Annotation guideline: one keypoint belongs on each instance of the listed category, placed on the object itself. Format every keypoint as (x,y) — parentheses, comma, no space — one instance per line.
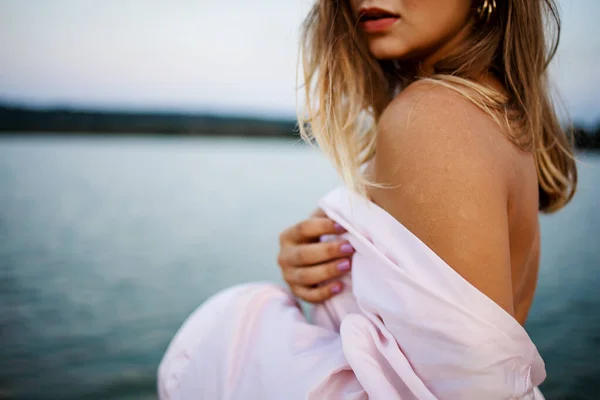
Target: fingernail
(344,265)
(335,289)
(347,248)
(339,228)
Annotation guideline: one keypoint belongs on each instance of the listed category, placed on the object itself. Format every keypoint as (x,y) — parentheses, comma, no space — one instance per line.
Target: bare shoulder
(433,134)
(434,119)
(444,162)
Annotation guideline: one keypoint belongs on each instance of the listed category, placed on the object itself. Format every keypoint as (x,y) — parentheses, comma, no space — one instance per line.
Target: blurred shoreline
(23,120)
(15,119)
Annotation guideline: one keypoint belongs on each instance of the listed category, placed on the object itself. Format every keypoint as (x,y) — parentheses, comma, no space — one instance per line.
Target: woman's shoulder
(437,122)
(427,103)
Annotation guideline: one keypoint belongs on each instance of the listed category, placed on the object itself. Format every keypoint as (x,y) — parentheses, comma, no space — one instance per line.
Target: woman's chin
(386,49)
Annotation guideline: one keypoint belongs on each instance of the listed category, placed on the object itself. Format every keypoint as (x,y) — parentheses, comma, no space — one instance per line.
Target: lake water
(107,244)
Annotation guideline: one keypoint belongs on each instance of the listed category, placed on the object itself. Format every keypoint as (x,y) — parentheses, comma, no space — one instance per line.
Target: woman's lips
(376,19)
(379,24)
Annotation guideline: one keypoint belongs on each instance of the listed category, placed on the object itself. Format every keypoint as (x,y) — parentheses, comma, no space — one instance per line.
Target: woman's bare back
(524,231)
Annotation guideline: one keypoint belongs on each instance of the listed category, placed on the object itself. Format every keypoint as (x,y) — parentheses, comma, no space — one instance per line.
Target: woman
(437,115)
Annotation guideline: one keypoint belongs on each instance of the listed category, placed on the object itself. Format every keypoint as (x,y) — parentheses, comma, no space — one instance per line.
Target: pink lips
(374,20)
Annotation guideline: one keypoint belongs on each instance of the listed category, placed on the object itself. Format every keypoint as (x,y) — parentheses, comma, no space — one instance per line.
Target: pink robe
(407,326)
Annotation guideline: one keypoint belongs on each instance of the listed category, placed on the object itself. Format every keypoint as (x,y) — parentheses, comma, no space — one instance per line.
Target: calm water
(107,244)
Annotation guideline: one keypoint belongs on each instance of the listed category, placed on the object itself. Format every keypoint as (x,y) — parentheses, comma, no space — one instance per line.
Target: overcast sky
(233,56)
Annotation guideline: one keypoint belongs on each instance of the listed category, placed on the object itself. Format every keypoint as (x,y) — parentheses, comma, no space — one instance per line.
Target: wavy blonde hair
(347,89)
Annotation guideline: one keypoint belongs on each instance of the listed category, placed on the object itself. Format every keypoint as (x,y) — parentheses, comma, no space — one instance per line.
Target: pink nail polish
(344,265)
(347,248)
(339,228)
(335,289)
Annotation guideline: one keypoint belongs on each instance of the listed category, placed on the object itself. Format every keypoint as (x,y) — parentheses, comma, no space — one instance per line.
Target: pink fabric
(407,326)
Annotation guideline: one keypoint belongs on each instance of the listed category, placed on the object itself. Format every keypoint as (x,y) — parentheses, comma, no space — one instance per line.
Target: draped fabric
(407,326)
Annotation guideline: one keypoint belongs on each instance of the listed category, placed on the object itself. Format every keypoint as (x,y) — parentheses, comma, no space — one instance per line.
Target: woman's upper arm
(448,186)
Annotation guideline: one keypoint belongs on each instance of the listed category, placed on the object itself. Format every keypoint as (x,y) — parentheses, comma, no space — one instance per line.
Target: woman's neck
(426,65)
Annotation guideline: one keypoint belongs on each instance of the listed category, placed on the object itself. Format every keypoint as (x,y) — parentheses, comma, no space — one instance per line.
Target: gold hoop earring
(485,10)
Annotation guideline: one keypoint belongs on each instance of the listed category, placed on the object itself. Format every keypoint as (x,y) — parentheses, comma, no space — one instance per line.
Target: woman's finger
(318,294)
(310,230)
(309,276)
(314,253)
(318,213)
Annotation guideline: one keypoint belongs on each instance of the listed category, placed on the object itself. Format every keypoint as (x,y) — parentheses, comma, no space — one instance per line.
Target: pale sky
(231,56)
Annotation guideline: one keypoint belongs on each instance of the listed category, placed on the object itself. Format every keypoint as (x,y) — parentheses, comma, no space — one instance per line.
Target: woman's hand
(306,263)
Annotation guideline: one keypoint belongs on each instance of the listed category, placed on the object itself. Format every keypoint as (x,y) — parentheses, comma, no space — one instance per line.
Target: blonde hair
(347,89)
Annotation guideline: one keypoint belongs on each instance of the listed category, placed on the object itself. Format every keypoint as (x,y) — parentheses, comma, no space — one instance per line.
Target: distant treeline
(587,139)
(16,119)
(22,120)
